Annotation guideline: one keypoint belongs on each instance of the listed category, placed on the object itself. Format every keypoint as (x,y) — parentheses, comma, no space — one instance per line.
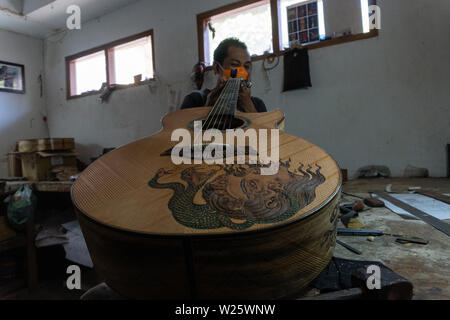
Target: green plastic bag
(21,208)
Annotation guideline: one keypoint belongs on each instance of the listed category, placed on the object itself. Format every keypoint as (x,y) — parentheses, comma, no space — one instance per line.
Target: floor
(427,267)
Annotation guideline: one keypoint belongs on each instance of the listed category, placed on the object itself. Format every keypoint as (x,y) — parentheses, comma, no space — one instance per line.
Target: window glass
(251,25)
(365,15)
(301,21)
(130,60)
(90,72)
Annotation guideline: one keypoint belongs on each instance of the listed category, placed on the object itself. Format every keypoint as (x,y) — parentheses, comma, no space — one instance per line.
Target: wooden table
(426,266)
(9,186)
(41,186)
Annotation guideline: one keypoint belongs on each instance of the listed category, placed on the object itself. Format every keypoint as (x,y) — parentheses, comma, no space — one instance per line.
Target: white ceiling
(41,18)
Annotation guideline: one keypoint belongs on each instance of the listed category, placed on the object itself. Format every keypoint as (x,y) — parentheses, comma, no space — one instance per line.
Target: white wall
(342,15)
(13,5)
(384,100)
(21,114)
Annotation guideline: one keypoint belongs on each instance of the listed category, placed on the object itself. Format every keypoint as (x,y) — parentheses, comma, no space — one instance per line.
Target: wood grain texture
(115,191)
(156,230)
(271,264)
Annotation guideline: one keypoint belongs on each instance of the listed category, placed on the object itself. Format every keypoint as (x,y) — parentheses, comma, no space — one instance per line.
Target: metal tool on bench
(348,247)
(435,222)
(376,233)
(347,213)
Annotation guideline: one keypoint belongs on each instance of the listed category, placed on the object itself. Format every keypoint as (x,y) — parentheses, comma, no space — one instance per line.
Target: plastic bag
(21,208)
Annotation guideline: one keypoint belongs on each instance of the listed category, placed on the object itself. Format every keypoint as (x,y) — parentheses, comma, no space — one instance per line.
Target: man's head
(231,53)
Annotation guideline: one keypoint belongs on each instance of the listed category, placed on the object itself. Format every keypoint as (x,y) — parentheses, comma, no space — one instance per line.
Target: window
(272,26)
(252,24)
(305,23)
(365,15)
(89,72)
(131,59)
(125,62)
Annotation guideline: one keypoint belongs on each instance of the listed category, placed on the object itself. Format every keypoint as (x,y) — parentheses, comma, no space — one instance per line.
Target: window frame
(204,17)
(70,75)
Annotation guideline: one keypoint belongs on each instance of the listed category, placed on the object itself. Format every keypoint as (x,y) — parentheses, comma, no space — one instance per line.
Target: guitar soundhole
(222,123)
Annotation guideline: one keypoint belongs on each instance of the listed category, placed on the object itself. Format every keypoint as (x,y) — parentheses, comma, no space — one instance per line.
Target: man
(231,53)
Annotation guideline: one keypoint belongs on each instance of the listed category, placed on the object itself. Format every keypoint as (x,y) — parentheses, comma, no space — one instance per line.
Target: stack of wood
(53,159)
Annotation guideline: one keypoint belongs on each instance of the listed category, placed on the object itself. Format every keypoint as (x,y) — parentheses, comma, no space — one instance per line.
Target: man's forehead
(238,54)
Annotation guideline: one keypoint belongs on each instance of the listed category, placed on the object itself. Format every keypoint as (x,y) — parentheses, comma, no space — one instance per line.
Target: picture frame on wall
(12,77)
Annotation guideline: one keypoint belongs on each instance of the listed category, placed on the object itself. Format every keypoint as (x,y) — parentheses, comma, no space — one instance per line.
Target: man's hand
(245,102)
(215,93)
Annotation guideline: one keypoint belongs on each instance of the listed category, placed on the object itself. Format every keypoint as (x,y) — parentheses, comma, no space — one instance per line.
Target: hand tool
(348,213)
(348,247)
(376,233)
(435,222)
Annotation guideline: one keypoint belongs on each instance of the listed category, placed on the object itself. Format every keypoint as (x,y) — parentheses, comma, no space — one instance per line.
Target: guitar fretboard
(226,104)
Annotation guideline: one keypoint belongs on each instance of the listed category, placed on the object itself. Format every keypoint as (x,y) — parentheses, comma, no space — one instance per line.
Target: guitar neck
(226,104)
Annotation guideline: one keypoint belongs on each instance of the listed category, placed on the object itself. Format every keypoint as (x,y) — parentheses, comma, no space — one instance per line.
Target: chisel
(376,233)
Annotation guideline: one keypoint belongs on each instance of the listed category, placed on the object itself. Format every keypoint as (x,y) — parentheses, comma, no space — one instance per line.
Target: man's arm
(259,104)
(192,100)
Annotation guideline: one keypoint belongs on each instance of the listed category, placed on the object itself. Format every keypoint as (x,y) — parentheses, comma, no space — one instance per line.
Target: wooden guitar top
(134,188)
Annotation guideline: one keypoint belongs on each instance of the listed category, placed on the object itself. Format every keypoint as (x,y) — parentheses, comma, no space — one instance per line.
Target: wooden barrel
(156,230)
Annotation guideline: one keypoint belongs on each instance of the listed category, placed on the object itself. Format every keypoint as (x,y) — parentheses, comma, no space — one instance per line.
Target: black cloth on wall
(296,69)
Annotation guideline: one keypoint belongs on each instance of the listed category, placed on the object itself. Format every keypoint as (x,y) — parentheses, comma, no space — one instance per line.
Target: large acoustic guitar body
(156,230)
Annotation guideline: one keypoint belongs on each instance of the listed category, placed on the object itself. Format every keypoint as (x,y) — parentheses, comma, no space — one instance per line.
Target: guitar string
(220,106)
(230,99)
(215,109)
(236,97)
(212,114)
(229,93)
(227,90)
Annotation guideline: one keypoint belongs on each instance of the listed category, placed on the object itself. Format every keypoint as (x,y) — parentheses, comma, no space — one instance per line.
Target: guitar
(159,230)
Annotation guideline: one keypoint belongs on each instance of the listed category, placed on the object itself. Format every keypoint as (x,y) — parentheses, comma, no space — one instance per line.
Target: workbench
(41,186)
(27,239)
(426,266)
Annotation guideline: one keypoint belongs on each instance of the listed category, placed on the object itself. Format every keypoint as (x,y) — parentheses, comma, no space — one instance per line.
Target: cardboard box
(14,165)
(37,166)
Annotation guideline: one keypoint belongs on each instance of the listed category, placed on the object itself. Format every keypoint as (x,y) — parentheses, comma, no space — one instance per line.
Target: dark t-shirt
(198,99)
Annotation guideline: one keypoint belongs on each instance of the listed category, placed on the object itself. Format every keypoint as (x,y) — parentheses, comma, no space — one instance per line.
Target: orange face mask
(239,72)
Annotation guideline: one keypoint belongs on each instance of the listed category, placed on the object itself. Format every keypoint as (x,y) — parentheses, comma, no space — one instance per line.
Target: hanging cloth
(296,69)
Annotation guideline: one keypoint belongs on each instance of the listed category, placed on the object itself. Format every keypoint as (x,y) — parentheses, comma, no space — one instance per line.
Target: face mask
(239,72)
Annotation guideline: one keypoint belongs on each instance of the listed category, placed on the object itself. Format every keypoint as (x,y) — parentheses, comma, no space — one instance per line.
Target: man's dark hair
(222,50)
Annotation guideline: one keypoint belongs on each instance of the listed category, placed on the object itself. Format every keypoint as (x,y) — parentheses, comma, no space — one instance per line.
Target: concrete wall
(21,114)
(384,100)
(12,5)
